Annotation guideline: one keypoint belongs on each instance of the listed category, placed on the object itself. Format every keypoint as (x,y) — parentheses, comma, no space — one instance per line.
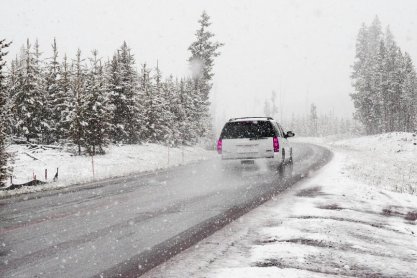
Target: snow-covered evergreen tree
(409,95)
(267,109)
(113,80)
(270,106)
(159,127)
(29,98)
(3,113)
(360,69)
(148,114)
(11,86)
(96,109)
(174,91)
(172,115)
(203,52)
(42,89)
(77,122)
(313,120)
(192,104)
(52,93)
(125,97)
(394,84)
(64,101)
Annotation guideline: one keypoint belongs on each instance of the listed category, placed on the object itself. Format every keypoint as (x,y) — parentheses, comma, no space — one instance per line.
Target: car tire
(291,159)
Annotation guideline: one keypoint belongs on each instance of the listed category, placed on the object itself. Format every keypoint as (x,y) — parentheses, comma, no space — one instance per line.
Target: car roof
(243,119)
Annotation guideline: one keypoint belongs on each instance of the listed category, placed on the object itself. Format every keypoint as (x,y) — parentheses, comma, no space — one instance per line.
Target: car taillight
(276,145)
(219,146)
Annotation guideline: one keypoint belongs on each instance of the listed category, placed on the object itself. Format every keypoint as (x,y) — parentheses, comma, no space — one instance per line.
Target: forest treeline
(91,101)
(313,123)
(385,82)
(321,124)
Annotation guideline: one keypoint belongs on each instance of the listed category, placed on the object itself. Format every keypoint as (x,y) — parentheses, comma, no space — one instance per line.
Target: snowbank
(386,161)
(118,161)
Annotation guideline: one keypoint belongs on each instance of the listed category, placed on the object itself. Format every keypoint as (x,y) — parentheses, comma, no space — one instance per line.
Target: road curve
(126,226)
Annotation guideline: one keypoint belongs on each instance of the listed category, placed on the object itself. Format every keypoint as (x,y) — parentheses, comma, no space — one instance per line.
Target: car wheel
(283,157)
(291,160)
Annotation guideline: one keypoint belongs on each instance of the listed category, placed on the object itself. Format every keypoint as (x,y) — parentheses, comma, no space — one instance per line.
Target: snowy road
(128,225)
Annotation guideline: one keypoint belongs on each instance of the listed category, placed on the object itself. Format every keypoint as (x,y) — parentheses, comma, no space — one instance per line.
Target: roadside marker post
(92,164)
(168,154)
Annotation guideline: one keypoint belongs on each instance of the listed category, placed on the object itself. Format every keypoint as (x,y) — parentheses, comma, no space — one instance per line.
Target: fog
(303,50)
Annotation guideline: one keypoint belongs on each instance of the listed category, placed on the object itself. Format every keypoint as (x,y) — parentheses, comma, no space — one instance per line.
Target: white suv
(254,138)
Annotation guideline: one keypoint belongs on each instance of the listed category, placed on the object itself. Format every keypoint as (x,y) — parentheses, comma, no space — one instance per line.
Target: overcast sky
(301,49)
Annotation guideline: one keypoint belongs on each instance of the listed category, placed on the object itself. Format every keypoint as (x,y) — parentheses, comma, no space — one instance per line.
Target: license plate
(250,162)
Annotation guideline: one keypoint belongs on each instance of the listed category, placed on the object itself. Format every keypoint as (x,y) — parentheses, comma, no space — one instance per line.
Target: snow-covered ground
(386,161)
(118,161)
(356,217)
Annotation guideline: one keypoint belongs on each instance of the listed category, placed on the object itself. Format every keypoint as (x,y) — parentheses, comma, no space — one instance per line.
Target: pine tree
(3,121)
(192,104)
(179,126)
(11,86)
(161,114)
(409,95)
(203,51)
(267,109)
(154,105)
(394,80)
(367,98)
(313,120)
(95,109)
(77,122)
(113,80)
(42,90)
(125,97)
(381,80)
(359,75)
(372,92)
(172,112)
(52,94)
(270,106)
(63,105)
(148,116)
(29,98)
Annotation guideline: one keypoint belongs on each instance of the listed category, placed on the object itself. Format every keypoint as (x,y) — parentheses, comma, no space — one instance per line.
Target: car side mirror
(289,134)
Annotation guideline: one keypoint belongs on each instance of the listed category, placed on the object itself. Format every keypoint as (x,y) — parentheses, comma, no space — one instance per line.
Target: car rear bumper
(245,156)
(257,161)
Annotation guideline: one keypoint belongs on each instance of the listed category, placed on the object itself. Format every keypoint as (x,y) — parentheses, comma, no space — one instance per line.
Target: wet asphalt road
(125,226)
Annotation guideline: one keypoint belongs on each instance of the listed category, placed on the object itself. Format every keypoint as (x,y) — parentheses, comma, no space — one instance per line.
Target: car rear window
(247,129)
